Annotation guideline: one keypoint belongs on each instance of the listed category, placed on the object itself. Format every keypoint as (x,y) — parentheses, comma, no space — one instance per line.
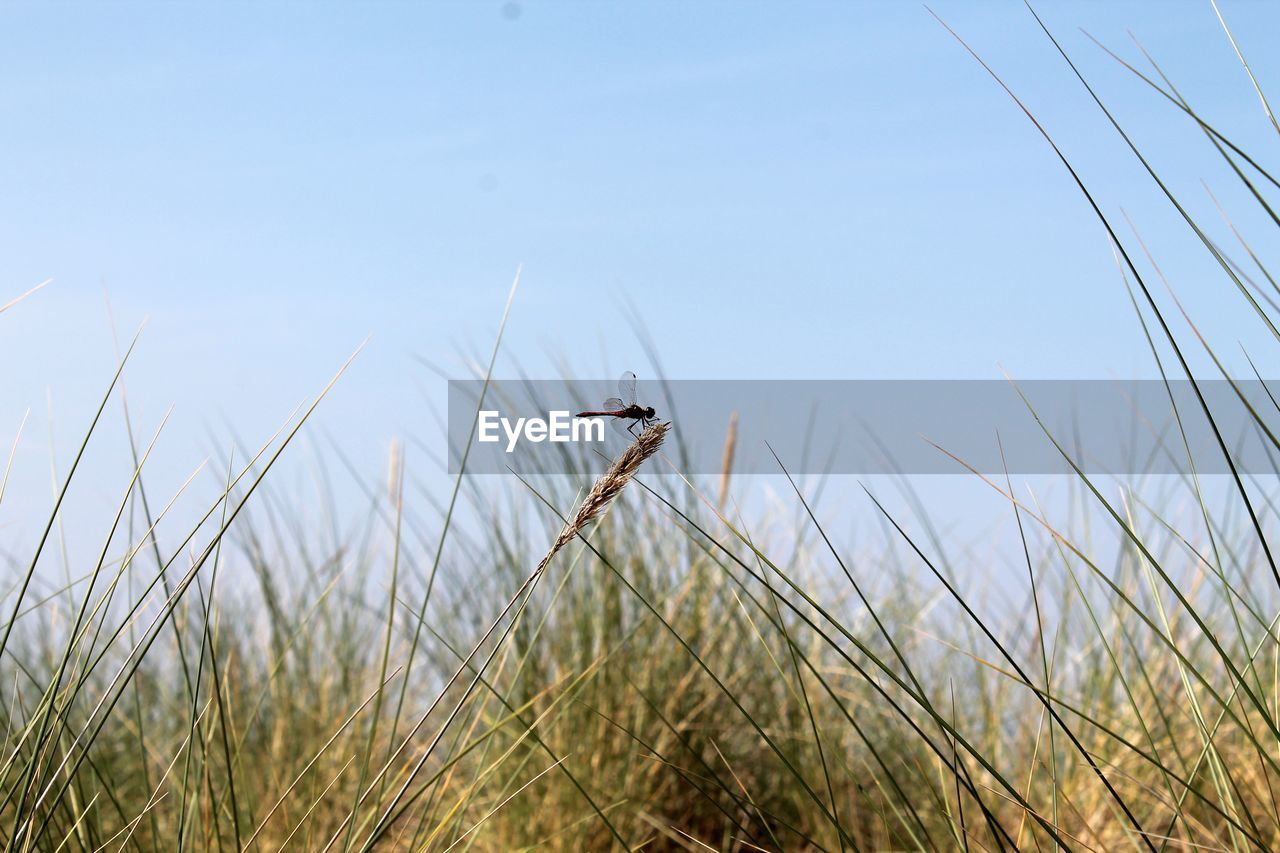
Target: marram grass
(672,674)
(607,487)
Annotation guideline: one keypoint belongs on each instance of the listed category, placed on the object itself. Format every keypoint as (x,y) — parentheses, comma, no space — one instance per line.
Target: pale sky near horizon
(811,190)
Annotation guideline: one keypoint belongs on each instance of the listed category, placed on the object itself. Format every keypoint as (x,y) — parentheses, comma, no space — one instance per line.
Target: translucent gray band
(882,426)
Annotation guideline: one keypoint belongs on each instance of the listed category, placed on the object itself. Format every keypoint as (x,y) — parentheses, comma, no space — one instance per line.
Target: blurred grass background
(684,675)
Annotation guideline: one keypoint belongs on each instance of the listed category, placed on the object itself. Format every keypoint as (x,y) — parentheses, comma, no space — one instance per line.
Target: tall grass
(670,675)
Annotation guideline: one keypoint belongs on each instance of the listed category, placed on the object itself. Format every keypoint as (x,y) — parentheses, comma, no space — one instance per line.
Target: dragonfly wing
(613,404)
(621,428)
(627,388)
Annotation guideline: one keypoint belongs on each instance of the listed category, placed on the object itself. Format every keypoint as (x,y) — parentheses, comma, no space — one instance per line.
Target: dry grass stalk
(12,302)
(597,500)
(726,464)
(607,488)
(395,473)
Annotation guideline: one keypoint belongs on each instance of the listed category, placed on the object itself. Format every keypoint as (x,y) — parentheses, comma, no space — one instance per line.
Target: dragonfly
(625,407)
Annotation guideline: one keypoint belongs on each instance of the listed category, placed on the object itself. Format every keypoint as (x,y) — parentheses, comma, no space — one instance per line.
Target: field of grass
(638,665)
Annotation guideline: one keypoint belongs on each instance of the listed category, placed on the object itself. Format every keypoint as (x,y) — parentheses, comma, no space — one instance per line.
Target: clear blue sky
(812,190)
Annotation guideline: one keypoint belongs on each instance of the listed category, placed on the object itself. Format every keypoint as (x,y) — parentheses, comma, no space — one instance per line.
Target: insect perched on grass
(624,407)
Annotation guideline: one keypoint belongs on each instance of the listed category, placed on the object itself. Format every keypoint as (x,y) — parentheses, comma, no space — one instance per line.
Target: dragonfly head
(649,412)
